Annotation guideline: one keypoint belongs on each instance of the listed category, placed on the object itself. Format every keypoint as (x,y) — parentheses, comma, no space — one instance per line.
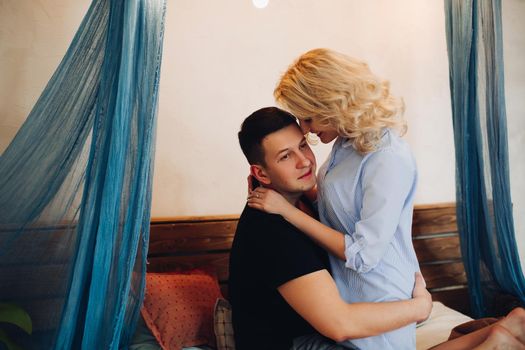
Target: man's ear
(260,174)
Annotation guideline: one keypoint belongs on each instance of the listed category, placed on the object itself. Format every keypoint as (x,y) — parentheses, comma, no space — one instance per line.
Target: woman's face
(326,133)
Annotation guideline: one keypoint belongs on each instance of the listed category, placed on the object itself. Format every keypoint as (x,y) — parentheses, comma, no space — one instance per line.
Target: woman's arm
(272,202)
(386,183)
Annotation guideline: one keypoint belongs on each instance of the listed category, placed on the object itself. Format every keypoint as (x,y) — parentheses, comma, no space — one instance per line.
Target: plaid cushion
(222,325)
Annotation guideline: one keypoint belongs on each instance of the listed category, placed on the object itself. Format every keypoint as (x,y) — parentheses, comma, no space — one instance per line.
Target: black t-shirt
(267,252)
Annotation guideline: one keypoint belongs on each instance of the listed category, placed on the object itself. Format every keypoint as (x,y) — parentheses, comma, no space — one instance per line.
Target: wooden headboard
(188,242)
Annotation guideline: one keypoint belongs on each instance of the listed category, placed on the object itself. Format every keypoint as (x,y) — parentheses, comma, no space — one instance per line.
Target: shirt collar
(345,142)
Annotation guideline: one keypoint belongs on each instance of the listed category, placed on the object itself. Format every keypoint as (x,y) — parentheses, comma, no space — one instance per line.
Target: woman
(366,186)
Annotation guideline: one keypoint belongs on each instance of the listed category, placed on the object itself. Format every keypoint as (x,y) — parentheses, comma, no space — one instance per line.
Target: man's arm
(315,297)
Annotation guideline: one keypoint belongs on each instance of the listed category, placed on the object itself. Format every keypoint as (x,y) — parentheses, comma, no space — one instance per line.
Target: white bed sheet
(437,328)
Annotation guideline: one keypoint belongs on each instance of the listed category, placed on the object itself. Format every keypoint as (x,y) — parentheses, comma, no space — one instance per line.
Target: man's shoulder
(256,234)
(254,219)
(260,229)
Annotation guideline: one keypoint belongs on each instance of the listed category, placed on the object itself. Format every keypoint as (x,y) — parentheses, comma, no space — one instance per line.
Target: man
(282,294)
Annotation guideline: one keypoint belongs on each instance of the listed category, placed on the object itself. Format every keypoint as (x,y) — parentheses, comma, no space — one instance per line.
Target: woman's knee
(518,313)
(500,338)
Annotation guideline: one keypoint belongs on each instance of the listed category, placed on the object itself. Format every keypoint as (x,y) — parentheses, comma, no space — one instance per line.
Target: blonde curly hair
(343,93)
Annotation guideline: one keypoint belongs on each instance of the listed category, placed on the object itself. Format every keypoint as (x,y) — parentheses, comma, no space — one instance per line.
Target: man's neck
(292,198)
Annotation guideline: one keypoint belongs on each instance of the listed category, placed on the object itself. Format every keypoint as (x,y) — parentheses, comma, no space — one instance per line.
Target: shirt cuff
(353,258)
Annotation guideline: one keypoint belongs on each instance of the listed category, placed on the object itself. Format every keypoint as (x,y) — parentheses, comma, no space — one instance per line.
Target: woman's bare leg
(515,323)
(500,338)
(467,341)
(512,326)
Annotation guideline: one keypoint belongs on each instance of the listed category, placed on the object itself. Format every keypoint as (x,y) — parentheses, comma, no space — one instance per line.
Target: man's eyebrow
(303,140)
(283,150)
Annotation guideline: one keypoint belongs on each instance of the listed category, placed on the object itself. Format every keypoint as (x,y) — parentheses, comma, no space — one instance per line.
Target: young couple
(282,293)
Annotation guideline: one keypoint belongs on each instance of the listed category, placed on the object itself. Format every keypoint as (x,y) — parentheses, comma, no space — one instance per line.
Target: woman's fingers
(420,279)
(253,195)
(259,192)
(256,196)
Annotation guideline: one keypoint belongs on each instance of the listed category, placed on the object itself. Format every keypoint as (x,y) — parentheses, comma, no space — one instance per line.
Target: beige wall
(34,36)
(514,50)
(221,62)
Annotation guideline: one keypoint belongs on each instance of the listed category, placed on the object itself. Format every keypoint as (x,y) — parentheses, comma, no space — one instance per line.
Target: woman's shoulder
(393,150)
(394,144)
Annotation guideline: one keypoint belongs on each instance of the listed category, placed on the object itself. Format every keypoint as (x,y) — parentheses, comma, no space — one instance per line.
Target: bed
(192,242)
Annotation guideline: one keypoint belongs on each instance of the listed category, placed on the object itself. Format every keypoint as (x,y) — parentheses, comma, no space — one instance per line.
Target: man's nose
(303,161)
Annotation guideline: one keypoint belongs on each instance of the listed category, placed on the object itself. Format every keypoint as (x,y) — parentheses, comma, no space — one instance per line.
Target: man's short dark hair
(257,126)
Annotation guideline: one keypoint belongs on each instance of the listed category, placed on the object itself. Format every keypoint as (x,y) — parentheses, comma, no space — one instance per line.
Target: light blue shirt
(370,198)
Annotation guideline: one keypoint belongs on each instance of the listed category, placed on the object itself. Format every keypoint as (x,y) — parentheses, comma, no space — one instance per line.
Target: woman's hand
(268,200)
(421,294)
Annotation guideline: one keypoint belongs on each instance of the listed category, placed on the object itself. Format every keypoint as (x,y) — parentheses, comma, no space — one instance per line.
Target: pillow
(222,325)
(178,308)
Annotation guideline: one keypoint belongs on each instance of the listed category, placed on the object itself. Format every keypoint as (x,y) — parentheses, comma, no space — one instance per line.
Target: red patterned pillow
(178,308)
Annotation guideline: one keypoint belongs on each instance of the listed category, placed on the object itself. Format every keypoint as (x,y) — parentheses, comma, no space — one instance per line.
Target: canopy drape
(484,205)
(75,184)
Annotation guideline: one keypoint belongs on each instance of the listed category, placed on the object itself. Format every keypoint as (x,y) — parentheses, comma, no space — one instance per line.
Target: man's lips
(306,175)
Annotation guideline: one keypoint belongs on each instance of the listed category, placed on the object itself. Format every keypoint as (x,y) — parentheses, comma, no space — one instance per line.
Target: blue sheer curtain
(484,206)
(75,184)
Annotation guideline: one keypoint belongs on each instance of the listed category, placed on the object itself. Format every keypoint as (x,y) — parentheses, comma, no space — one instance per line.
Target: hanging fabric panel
(484,205)
(75,184)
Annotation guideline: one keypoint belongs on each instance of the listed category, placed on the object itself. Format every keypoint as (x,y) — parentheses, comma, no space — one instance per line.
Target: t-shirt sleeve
(290,255)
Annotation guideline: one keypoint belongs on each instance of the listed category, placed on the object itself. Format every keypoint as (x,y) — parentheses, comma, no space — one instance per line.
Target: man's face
(290,163)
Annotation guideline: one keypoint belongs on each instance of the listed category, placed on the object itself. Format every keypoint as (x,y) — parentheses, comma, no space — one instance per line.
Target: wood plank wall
(204,241)
(188,242)
(436,241)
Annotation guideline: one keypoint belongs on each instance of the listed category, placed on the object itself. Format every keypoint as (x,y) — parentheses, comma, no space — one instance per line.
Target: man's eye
(285,157)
